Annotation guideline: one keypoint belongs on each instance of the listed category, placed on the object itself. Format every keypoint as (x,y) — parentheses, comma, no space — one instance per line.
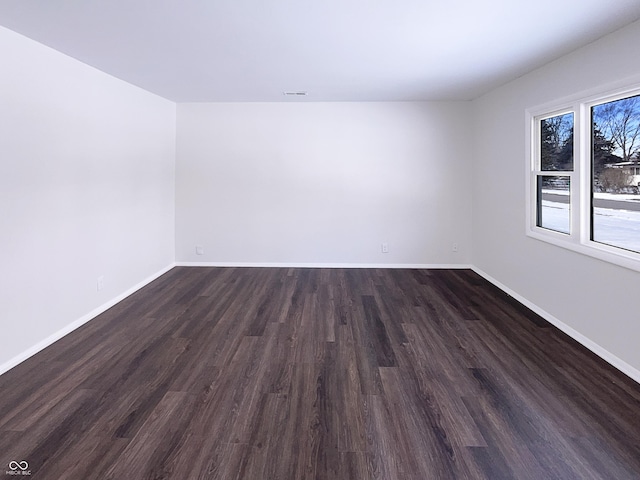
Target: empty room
(291,240)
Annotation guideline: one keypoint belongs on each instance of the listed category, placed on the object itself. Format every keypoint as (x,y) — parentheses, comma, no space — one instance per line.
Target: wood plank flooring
(266,373)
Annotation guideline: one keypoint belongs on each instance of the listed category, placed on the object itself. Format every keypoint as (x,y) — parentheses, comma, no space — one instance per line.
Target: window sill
(602,252)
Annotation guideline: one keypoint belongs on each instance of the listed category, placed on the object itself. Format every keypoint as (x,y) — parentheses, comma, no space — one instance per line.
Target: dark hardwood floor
(226,373)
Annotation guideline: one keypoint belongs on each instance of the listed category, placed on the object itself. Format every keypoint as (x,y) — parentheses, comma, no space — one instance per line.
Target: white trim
(603,252)
(607,356)
(603,353)
(621,87)
(579,238)
(54,337)
(325,265)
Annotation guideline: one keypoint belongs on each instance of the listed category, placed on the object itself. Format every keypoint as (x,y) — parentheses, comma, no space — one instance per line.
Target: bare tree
(619,121)
(560,128)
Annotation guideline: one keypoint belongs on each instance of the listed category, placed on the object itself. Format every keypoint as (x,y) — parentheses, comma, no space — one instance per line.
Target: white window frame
(579,237)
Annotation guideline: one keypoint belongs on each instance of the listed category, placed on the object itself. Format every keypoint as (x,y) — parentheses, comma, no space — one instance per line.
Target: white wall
(323,183)
(597,299)
(86,190)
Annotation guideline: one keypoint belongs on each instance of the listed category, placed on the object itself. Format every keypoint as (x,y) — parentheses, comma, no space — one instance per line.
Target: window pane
(615,158)
(556,143)
(554,207)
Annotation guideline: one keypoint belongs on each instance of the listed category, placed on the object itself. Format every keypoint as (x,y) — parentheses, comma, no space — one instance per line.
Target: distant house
(631,168)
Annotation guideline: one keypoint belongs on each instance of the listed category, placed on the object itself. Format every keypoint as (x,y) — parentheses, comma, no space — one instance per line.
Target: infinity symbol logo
(13,465)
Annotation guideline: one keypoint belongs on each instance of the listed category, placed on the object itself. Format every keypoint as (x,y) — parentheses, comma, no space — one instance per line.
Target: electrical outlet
(100,283)
(454,247)
(199,250)
(384,247)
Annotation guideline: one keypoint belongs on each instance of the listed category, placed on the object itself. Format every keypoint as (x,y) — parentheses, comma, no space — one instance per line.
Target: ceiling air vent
(294,94)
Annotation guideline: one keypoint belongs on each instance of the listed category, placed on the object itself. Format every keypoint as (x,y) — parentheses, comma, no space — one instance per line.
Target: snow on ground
(623,197)
(555,216)
(619,228)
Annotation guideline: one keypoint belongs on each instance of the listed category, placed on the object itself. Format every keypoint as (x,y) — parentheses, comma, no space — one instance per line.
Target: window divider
(581,180)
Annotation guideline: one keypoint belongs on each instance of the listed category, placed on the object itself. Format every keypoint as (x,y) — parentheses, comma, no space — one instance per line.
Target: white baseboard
(607,356)
(5,367)
(323,265)
(621,365)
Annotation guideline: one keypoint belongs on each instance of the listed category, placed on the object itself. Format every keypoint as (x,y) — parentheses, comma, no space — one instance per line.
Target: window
(584,176)
(553,184)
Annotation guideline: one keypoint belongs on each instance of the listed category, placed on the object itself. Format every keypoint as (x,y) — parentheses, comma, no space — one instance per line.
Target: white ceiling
(337,50)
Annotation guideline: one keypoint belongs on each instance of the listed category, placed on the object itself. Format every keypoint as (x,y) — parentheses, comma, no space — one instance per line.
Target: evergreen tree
(564,157)
(602,149)
(555,136)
